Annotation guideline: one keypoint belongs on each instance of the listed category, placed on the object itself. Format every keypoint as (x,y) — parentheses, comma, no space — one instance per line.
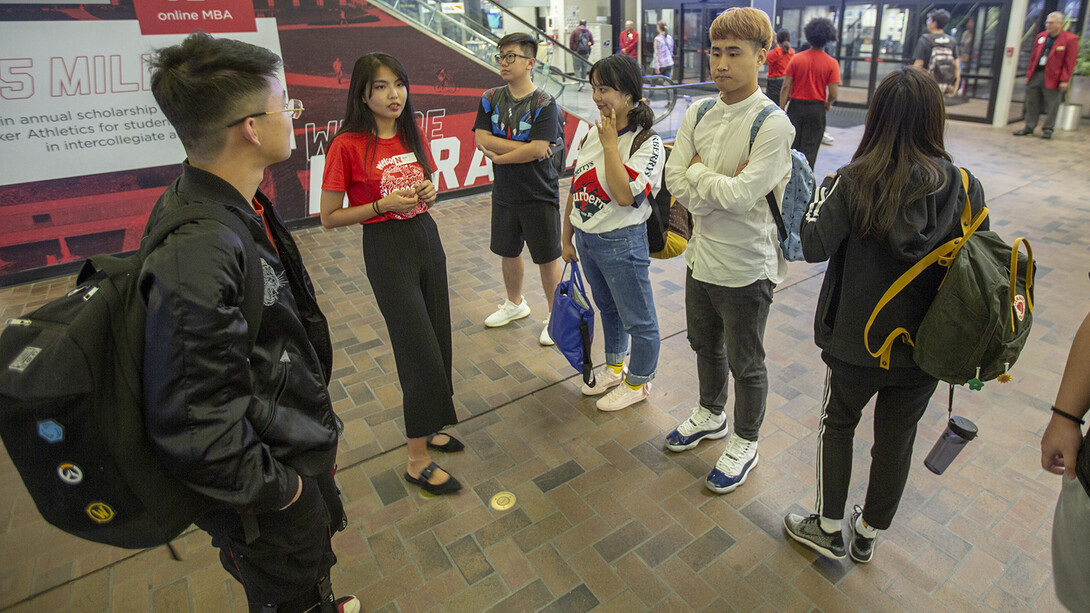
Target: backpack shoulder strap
(943,255)
(703,110)
(254,288)
(759,121)
(639,140)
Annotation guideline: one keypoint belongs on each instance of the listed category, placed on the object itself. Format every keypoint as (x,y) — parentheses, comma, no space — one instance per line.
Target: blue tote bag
(571,324)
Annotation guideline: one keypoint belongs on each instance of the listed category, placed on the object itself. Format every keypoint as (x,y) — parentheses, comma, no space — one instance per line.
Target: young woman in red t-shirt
(379,160)
(778,59)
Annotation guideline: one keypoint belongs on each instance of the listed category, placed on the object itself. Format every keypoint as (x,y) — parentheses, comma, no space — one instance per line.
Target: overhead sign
(453,8)
(185,16)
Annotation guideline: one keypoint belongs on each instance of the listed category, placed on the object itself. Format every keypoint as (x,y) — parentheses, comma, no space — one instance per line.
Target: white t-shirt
(734,240)
(593,207)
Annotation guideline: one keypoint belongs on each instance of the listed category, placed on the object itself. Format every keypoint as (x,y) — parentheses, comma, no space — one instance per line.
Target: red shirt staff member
(1054,50)
(630,40)
(778,59)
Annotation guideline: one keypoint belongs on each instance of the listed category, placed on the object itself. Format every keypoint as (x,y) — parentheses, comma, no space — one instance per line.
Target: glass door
(893,43)
(857,47)
(694,45)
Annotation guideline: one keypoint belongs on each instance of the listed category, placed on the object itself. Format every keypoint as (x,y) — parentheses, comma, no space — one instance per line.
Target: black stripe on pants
(902,399)
(407,269)
(808,117)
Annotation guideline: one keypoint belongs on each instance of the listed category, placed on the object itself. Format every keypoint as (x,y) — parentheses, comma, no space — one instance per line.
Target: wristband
(374,207)
(1067,415)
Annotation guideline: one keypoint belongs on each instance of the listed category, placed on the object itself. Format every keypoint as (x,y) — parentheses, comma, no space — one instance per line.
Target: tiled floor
(605,519)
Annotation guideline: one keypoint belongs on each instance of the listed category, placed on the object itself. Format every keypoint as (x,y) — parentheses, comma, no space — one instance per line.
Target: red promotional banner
(185,16)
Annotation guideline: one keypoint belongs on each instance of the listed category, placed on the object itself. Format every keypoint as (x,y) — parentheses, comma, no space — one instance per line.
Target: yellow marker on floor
(503,501)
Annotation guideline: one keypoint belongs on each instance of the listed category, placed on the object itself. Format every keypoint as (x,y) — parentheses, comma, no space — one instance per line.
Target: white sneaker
(623,396)
(545,339)
(702,424)
(604,378)
(507,313)
(733,466)
(826,139)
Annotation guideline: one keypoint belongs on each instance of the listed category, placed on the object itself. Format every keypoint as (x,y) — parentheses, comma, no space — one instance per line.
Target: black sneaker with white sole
(861,548)
(807,530)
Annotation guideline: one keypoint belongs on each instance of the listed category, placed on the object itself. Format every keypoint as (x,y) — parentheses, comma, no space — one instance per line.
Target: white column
(1009,66)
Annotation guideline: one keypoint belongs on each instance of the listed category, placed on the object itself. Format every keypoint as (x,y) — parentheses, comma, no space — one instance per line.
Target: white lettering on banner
(435,120)
(581,130)
(77,98)
(446,152)
(316,140)
(479,167)
(16,82)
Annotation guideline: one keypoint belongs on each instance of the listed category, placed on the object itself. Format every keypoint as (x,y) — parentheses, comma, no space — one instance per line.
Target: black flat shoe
(447,487)
(1024,132)
(449,447)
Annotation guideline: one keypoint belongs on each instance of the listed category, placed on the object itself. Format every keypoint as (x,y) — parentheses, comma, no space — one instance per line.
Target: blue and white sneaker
(733,466)
(702,424)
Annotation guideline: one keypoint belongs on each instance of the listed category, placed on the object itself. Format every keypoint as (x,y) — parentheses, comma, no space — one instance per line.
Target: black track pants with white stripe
(902,399)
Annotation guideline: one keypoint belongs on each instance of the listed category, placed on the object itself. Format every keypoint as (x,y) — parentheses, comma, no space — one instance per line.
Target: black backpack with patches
(71,402)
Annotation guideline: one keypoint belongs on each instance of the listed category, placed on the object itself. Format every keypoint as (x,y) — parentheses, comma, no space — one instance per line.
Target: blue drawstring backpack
(571,324)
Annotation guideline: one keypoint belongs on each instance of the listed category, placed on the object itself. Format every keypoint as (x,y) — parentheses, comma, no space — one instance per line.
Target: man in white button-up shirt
(734,260)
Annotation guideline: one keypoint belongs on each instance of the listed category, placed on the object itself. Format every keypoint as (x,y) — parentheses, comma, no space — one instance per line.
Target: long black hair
(359,119)
(900,157)
(622,73)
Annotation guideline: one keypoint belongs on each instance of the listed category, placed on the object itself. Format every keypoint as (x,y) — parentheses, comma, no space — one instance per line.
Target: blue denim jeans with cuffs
(617,266)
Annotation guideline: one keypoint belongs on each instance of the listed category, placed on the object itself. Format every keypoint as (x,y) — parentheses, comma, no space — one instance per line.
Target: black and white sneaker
(702,424)
(807,530)
(862,548)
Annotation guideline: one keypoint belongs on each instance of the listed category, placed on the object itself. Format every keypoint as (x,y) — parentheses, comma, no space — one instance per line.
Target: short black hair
(819,32)
(526,42)
(204,82)
(941,17)
(582,22)
(783,36)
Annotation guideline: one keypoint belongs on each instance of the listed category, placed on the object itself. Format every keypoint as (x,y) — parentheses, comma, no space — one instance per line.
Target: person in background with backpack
(1051,64)
(618,171)
(1066,451)
(248,424)
(898,199)
(733,258)
(810,87)
(580,41)
(937,52)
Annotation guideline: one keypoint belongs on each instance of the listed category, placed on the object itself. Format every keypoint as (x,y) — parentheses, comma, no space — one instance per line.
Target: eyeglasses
(295,107)
(507,58)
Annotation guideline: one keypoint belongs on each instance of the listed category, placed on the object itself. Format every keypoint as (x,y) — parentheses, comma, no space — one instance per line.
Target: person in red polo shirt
(1050,66)
(778,59)
(810,88)
(630,40)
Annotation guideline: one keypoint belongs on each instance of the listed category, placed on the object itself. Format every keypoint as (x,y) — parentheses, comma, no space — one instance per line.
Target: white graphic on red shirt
(401,172)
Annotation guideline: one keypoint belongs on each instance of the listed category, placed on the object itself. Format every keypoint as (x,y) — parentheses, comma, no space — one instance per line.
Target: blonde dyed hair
(743,23)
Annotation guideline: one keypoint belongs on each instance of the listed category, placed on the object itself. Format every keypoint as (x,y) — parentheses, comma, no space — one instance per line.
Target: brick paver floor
(606,519)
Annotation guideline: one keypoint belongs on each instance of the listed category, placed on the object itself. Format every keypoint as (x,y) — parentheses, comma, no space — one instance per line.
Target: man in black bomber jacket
(249,427)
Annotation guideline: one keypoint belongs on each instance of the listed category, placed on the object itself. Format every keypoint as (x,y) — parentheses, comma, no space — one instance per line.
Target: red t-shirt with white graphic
(367,169)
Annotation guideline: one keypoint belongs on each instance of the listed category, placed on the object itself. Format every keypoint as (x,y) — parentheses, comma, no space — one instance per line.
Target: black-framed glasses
(295,107)
(507,58)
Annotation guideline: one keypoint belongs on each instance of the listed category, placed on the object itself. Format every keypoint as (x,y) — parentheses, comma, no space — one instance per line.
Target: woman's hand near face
(607,129)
